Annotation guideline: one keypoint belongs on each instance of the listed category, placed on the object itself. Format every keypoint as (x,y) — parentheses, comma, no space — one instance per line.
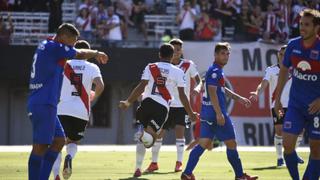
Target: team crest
(287,125)
(304,65)
(314,54)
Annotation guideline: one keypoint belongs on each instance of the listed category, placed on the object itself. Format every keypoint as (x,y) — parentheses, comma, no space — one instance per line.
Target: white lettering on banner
(35,86)
(305,77)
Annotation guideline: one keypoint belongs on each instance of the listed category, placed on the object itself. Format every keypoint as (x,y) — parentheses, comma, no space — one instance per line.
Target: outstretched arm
(260,88)
(246,102)
(137,91)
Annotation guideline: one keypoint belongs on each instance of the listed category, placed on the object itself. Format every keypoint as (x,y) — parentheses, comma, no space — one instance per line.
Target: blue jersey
(305,63)
(214,77)
(47,72)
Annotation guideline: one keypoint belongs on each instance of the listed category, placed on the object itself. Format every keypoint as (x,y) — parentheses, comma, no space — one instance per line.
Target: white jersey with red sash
(190,71)
(163,79)
(77,82)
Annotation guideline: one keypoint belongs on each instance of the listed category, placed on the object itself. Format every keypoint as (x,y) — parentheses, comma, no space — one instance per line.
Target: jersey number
(159,82)
(76,80)
(316,122)
(33,69)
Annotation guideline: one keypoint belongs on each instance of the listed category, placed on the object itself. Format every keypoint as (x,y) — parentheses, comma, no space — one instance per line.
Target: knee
(58,144)
(315,150)
(231,144)
(288,146)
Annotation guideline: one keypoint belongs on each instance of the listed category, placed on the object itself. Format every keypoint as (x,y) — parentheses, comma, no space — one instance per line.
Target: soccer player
(177,118)
(303,56)
(214,118)
(45,85)
(271,78)
(158,82)
(74,107)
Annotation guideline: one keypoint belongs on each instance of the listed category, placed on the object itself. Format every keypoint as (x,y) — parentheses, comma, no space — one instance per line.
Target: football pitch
(106,165)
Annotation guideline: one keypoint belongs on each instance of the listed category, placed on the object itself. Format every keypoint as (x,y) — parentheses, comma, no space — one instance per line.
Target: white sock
(72,149)
(180,149)
(56,166)
(155,150)
(278,145)
(140,152)
(299,140)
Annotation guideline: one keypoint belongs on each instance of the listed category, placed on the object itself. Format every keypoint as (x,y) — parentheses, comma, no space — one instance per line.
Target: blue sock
(193,159)
(34,166)
(234,160)
(48,160)
(314,169)
(292,164)
(307,171)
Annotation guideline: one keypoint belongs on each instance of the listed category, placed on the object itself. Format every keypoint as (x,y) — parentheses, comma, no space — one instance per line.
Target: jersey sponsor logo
(304,65)
(305,77)
(287,125)
(35,86)
(296,51)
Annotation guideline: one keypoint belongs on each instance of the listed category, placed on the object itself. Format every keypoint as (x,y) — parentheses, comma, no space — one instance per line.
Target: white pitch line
(132,148)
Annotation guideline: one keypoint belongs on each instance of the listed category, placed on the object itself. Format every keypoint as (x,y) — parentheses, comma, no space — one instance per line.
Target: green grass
(120,165)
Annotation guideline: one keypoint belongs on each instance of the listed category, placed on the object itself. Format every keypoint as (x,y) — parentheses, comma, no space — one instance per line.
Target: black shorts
(177,116)
(152,113)
(73,127)
(275,118)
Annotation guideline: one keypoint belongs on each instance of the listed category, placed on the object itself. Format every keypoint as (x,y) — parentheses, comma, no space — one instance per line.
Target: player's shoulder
(215,68)
(294,41)
(273,67)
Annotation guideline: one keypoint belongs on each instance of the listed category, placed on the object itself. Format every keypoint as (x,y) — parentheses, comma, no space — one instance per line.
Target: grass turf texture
(120,165)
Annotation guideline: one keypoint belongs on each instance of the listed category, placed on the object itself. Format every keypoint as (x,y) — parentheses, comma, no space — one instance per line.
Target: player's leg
(54,149)
(278,122)
(180,143)
(56,167)
(206,135)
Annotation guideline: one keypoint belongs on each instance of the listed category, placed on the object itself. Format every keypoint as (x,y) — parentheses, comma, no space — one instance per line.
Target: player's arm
(84,54)
(135,94)
(99,87)
(260,88)
(186,104)
(212,90)
(246,102)
(282,79)
(199,86)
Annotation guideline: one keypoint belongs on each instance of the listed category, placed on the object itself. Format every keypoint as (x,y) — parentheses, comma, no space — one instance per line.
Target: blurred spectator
(55,17)
(83,23)
(207,27)
(159,7)
(101,12)
(167,36)
(226,12)
(296,9)
(3,5)
(101,30)
(5,31)
(92,10)
(270,24)
(247,30)
(186,20)
(123,13)
(113,27)
(281,33)
(139,11)
(205,6)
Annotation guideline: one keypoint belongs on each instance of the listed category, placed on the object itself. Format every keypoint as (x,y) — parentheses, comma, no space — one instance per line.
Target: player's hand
(102,57)
(124,105)
(253,96)
(246,102)
(195,92)
(193,117)
(314,107)
(278,108)
(220,119)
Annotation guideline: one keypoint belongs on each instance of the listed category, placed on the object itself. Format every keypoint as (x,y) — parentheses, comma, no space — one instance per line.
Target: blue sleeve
(213,76)
(63,51)
(286,59)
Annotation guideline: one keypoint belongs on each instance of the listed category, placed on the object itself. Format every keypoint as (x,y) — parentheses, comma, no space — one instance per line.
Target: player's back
(172,77)
(305,73)
(76,88)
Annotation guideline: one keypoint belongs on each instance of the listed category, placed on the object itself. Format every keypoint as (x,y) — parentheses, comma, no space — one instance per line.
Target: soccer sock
(193,159)
(56,166)
(278,145)
(299,140)
(307,171)
(48,159)
(72,149)
(140,152)
(292,164)
(155,150)
(180,149)
(314,170)
(35,163)
(234,160)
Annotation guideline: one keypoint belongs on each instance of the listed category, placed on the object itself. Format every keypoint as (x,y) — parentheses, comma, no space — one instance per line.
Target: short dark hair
(222,46)
(166,51)
(82,44)
(69,29)
(176,41)
(315,14)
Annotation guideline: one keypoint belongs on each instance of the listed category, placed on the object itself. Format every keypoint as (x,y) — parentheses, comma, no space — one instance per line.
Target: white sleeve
(95,71)
(267,75)
(116,20)
(193,70)
(146,73)
(181,80)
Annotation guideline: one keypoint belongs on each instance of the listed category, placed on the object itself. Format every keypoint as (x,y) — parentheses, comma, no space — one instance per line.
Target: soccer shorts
(151,113)
(177,116)
(276,119)
(45,123)
(297,118)
(73,127)
(210,129)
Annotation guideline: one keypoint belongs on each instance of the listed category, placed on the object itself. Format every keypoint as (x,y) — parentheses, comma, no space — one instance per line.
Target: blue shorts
(210,129)
(296,119)
(45,124)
